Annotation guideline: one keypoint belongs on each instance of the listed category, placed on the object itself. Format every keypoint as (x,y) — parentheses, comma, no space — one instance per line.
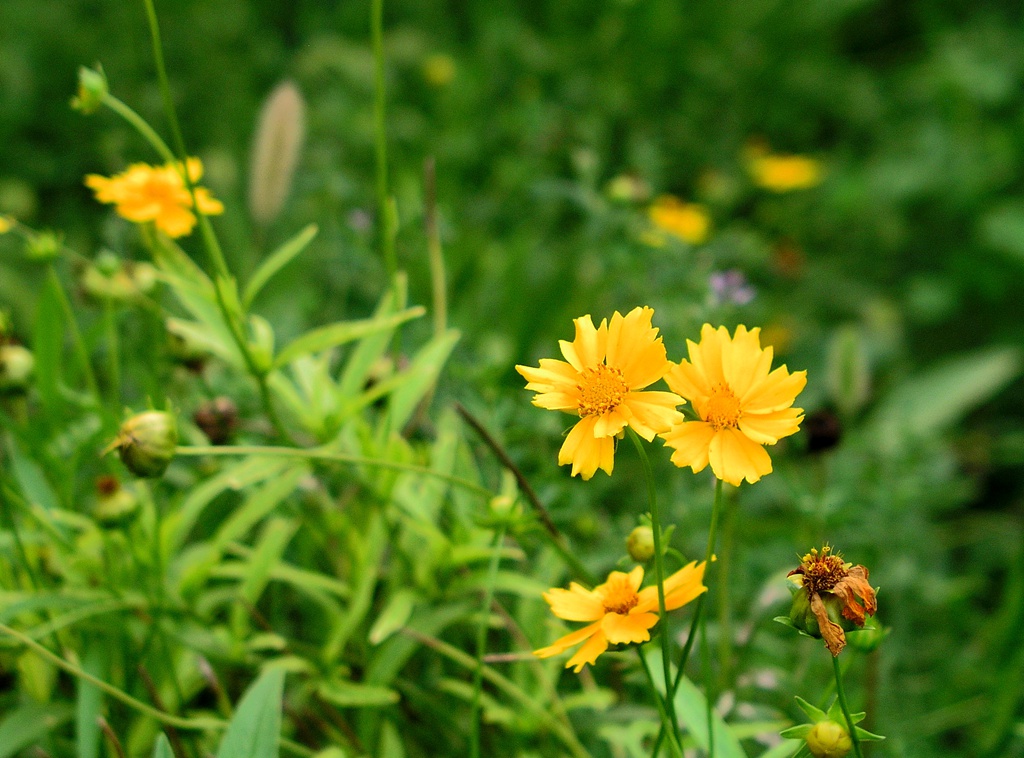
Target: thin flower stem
(659,574)
(698,612)
(323,455)
(556,539)
(481,642)
(210,241)
(147,132)
(81,354)
(438,279)
(709,695)
(673,744)
(113,355)
(506,685)
(385,213)
(845,706)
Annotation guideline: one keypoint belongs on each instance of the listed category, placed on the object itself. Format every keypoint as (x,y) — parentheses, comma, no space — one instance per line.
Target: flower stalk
(845,706)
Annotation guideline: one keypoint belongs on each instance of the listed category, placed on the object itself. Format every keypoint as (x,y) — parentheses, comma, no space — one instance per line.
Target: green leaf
(937,398)
(691,709)
(48,345)
(31,479)
(394,616)
(256,727)
(277,260)
(813,713)
(356,695)
(369,350)
(420,378)
(341,332)
(783,750)
(90,702)
(162,749)
(28,724)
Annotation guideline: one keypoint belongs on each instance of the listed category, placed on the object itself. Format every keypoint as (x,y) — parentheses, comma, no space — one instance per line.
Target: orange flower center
(601,389)
(722,410)
(619,597)
(823,571)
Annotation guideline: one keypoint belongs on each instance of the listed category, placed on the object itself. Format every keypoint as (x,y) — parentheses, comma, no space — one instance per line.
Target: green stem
(659,575)
(385,211)
(845,706)
(510,688)
(698,612)
(438,279)
(140,125)
(113,355)
(76,334)
(164,718)
(666,722)
(709,694)
(323,455)
(481,643)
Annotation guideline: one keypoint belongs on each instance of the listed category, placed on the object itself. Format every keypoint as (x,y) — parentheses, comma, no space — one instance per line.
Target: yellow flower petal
(620,629)
(564,643)
(575,603)
(735,457)
(769,428)
(596,645)
(778,390)
(691,441)
(680,588)
(652,413)
(586,452)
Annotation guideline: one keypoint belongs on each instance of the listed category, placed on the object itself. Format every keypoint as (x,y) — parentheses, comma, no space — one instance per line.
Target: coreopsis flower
(785,173)
(689,222)
(607,368)
(742,405)
(830,593)
(619,611)
(144,193)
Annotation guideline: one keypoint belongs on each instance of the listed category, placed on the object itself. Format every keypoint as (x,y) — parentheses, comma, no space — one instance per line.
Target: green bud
(115,506)
(43,246)
(640,544)
(16,366)
(868,638)
(146,443)
(92,88)
(847,374)
(827,739)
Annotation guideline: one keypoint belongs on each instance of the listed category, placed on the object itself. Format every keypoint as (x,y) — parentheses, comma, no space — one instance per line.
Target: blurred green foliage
(896,282)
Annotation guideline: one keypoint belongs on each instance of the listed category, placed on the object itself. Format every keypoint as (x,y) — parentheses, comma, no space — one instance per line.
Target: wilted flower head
(690,222)
(144,193)
(743,405)
(601,379)
(831,594)
(619,611)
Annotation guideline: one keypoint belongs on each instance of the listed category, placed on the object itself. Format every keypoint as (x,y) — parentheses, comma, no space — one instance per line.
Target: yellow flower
(689,222)
(741,403)
(784,173)
(619,610)
(156,193)
(607,366)
(6,224)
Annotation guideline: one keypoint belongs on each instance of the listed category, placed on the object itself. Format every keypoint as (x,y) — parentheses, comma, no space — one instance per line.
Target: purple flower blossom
(730,287)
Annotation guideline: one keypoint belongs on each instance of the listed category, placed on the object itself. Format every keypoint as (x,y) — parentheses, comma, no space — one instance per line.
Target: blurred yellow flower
(689,222)
(785,173)
(6,224)
(607,367)
(742,404)
(619,610)
(156,193)
(439,70)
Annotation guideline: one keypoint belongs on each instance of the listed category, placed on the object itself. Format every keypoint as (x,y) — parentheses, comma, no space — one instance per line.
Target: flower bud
(115,506)
(92,88)
(640,544)
(146,443)
(16,366)
(218,418)
(869,638)
(827,739)
(824,430)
